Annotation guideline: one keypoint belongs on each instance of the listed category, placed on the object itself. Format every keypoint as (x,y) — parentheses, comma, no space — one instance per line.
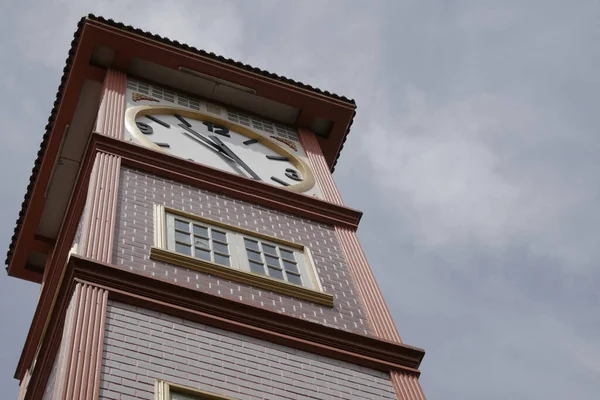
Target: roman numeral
(279,181)
(218,129)
(144,128)
(158,121)
(251,141)
(278,158)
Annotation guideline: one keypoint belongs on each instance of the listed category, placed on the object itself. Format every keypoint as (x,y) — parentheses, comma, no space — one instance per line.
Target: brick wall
(141,346)
(134,236)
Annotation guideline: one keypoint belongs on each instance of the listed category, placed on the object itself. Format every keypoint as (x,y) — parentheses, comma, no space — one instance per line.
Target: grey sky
(474,157)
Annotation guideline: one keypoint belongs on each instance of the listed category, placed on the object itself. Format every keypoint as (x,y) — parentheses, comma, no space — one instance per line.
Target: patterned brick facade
(134,237)
(143,345)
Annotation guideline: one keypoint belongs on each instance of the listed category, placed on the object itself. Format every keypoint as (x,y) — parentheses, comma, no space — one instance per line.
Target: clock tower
(189,240)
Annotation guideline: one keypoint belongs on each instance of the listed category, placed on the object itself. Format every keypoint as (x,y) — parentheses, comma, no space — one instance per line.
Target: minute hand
(234,156)
(195,134)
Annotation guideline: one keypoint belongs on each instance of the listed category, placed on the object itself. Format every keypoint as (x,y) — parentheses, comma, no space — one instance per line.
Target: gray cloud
(473,156)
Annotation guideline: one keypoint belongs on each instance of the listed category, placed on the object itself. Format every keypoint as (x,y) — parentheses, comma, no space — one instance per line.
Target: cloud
(212,26)
(473,155)
(455,172)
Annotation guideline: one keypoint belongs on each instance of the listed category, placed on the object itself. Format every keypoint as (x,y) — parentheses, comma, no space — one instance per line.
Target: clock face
(218,143)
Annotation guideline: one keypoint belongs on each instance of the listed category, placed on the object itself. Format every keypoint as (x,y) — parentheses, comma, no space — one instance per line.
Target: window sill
(248,278)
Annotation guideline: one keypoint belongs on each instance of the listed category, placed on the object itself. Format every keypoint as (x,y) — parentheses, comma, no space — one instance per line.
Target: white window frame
(164,228)
(163,390)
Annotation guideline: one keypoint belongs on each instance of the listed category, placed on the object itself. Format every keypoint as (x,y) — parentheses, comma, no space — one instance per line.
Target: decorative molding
(200,176)
(160,226)
(163,392)
(112,108)
(244,277)
(407,386)
(311,146)
(291,144)
(86,340)
(141,97)
(83,276)
(169,298)
(99,219)
(65,347)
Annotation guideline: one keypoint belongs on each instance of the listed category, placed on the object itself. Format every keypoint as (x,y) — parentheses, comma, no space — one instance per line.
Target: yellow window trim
(162,391)
(160,253)
(248,278)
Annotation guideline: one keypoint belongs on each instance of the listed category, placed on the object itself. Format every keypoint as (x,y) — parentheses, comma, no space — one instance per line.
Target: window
(236,254)
(272,260)
(170,391)
(198,240)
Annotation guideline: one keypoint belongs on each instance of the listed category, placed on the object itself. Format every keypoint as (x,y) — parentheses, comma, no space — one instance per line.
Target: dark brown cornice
(199,176)
(249,320)
(166,297)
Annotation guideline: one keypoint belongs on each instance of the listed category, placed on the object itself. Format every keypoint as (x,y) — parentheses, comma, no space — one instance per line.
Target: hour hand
(233,156)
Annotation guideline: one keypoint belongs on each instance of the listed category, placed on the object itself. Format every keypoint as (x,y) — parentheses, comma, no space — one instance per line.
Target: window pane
(295,279)
(289,255)
(251,244)
(181,396)
(254,256)
(183,249)
(203,254)
(276,273)
(202,243)
(200,231)
(257,268)
(221,248)
(182,237)
(182,225)
(274,261)
(218,235)
(290,266)
(220,259)
(268,249)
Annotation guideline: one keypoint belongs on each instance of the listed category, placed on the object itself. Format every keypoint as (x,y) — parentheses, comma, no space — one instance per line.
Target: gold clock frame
(133,113)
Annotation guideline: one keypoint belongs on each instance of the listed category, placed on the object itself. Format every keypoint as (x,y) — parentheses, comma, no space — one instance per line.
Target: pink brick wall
(134,237)
(141,346)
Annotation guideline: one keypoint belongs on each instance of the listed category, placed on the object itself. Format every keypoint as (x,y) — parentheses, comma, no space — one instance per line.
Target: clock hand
(232,155)
(202,139)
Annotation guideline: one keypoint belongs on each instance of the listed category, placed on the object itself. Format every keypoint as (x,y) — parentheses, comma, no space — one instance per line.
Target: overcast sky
(474,157)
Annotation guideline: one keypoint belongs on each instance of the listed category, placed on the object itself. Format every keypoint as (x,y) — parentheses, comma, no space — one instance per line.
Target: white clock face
(220,144)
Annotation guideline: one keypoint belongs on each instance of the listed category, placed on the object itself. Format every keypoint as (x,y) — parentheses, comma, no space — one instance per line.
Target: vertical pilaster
(407,386)
(99,219)
(380,317)
(81,355)
(100,212)
(310,144)
(112,108)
